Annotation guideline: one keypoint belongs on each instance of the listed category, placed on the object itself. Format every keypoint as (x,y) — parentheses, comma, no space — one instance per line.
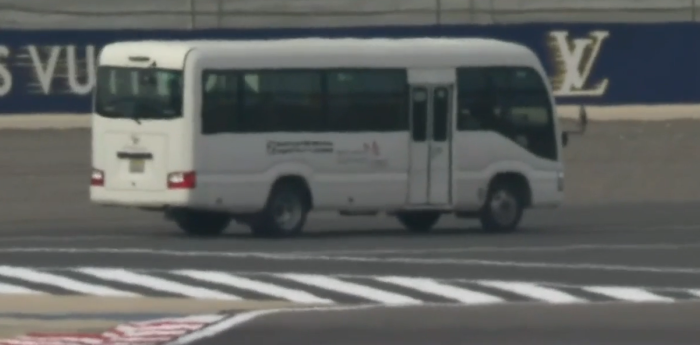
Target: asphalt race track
(617,265)
(508,325)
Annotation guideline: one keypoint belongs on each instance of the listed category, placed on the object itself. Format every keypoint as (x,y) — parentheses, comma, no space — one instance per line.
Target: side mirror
(582,125)
(583,119)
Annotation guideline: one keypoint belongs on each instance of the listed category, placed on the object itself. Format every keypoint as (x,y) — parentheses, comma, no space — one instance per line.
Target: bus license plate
(137,166)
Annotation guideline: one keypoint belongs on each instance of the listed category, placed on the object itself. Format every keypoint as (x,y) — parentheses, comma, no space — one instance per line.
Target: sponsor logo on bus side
(301,146)
(369,153)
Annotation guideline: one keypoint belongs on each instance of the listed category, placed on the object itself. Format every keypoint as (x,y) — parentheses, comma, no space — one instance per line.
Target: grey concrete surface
(636,254)
(513,324)
(187,14)
(634,161)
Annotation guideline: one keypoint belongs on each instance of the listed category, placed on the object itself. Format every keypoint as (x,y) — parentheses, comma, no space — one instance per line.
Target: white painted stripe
(628,294)
(348,288)
(60,281)
(58,340)
(449,291)
(220,327)
(533,291)
(203,318)
(254,285)
(155,283)
(14,289)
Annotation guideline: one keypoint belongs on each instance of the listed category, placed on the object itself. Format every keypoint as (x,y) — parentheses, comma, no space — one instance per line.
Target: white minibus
(263,132)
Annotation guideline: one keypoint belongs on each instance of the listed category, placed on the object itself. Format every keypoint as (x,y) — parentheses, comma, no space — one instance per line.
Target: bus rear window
(138,93)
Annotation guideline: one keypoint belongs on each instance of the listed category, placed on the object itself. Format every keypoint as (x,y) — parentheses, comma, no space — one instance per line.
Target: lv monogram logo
(574,60)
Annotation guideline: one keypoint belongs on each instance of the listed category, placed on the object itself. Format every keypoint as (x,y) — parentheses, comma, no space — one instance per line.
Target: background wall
(596,51)
(44,71)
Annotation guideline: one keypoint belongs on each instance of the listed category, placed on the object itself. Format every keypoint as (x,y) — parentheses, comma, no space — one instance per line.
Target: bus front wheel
(503,209)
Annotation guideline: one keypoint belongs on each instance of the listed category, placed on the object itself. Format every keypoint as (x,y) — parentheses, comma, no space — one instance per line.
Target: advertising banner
(594,64)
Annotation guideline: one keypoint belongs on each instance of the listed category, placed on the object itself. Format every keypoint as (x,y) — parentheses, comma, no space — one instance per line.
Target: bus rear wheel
(284,214)
(419,221)
(201,223)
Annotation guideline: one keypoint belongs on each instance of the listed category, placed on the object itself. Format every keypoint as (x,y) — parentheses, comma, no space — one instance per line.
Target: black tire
(202,223)
(503,209)
(291,197)
(419,221)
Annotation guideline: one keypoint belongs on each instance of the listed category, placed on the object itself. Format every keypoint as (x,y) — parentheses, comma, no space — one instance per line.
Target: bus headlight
(560,181)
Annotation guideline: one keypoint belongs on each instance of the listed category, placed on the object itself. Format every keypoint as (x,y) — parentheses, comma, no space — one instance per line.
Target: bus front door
(431,134)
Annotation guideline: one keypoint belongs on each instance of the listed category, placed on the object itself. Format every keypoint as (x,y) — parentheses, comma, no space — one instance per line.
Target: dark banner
(603,64)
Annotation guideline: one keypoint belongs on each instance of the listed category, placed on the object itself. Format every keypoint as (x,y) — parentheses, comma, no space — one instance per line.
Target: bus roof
(397,52)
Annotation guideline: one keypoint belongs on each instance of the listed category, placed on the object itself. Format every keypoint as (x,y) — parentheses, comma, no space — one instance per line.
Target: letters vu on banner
(49,69)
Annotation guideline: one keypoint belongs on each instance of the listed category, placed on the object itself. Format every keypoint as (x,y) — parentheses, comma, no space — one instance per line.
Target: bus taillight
(97,178)
(182,180)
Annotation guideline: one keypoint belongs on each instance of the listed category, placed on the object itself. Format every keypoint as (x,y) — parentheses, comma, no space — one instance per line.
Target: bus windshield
(138,93)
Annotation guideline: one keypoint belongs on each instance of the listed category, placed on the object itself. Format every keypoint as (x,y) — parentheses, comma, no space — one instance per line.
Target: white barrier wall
(200,14)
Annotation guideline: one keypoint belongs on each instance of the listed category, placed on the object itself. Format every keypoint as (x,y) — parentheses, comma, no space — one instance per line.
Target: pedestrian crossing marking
(314,289)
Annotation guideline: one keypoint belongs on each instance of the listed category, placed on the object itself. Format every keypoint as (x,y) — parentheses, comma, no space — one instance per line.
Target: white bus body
(210,131)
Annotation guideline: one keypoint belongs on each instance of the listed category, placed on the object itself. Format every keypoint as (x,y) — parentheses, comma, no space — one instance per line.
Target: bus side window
(220,105)
(283,101)
(511,101)
(362,100)
(475,101)
(531,113)
(529,102)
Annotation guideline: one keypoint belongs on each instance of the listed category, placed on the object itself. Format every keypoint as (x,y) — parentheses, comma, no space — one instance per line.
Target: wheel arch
(298,181)
(516,180)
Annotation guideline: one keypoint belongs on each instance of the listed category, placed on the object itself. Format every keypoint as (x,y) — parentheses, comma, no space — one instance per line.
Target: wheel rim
(504,207)
(288,212)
